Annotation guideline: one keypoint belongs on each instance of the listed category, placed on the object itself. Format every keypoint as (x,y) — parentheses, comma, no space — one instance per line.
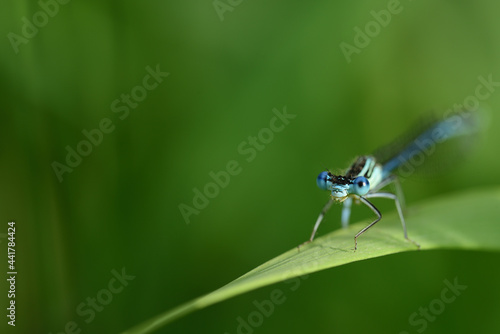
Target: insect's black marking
(370,171)
(339,179)
(356,167)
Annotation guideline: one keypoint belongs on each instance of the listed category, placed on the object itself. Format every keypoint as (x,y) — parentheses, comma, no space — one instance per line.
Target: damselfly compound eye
(323,180)
(361,186)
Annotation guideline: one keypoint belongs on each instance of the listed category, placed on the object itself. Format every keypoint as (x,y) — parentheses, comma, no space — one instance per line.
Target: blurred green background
(119,207)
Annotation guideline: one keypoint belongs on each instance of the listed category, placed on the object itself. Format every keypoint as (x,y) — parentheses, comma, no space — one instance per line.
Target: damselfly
(365,178)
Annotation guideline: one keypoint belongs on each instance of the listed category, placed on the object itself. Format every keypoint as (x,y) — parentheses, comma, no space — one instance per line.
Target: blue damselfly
(368,175)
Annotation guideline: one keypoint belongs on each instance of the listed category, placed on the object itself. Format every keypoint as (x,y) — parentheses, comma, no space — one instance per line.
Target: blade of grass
(465,221)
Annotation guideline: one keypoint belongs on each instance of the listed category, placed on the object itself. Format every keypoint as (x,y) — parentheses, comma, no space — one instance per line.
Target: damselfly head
(338,185)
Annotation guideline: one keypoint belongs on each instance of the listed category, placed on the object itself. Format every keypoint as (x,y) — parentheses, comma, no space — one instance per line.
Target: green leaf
(465,221)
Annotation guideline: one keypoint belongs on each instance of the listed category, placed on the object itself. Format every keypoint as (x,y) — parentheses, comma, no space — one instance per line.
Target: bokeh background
(228,69)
